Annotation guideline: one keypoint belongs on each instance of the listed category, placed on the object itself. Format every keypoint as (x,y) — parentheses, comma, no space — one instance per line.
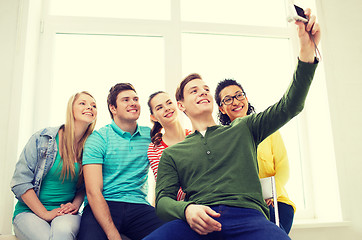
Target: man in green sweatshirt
(216,166)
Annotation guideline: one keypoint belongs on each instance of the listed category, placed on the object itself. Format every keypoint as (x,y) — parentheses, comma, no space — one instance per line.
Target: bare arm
(93,179)
(33,202)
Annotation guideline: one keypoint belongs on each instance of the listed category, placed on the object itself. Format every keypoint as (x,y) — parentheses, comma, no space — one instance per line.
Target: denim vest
(35,161)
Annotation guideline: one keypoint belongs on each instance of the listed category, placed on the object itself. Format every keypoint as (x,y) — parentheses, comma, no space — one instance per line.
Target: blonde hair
(68,151)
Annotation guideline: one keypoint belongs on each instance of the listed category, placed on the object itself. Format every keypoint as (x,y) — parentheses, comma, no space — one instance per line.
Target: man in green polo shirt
(115,169)
(216,166)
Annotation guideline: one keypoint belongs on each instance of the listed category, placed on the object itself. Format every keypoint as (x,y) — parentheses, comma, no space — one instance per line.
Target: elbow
(93,193)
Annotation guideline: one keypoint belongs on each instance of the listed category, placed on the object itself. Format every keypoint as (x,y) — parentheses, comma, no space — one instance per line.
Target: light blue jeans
(28,226)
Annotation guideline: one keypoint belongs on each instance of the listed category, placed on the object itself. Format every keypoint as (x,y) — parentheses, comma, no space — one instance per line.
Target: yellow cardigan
(273,161)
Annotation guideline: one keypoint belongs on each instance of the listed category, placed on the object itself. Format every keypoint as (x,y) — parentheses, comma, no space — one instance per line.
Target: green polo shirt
(221,167)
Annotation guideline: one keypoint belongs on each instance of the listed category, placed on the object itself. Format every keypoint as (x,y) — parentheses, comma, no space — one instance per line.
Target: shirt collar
(119,131)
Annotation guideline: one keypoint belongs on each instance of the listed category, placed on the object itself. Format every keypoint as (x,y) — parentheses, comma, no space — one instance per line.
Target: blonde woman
(48,175)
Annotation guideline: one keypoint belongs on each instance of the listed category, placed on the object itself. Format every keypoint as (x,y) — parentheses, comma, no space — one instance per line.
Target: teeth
(238,109)
(132,111)
(204,101)
(90,114)
(169,114)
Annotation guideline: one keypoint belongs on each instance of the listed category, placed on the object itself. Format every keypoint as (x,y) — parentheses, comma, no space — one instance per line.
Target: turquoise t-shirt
(54,191)
(124,162)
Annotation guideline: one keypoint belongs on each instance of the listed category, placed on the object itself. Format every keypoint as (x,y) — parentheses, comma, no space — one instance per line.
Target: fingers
(68,208)
(200,219)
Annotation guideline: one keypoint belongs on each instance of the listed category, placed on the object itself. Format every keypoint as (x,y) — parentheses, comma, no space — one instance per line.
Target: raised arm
(292,103)
(309,37)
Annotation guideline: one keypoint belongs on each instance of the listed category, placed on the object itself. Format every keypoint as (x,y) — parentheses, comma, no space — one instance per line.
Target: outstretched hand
(200,219)
(309,37)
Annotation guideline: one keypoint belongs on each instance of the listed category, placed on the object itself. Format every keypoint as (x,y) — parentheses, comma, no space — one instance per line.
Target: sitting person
(48,176)
(115,169)
(216,166)
(164,115)
(271,153)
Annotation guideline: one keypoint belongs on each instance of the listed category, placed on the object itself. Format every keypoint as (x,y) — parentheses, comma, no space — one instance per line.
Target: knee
(65,226)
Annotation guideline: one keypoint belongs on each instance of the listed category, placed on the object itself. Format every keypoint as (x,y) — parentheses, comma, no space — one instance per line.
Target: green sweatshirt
(221,167)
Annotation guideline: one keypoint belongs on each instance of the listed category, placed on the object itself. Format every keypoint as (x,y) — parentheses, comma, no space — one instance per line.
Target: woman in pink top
(164,115)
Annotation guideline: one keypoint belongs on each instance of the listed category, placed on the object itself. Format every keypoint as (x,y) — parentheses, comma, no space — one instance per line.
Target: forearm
(33,202)
(78,199)
(102,214)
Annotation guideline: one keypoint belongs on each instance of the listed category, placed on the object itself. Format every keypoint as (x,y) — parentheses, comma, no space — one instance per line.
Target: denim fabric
(131,219)
(286,216)
(237,224)
(28,226)
(35,161)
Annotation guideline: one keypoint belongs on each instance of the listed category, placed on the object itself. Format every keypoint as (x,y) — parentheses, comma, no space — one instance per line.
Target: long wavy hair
(224,118)
(69,153)
(156,135)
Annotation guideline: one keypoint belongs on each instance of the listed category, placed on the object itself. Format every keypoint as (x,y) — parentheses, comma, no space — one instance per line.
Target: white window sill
(318,223)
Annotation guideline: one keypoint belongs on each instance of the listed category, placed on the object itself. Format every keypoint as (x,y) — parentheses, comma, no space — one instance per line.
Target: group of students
(207,178)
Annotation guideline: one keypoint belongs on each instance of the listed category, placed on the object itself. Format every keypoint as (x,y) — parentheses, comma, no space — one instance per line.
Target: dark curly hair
(224,118)
(156,135)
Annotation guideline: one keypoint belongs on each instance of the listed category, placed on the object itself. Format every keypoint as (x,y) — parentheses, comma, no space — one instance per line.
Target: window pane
(258,13)
(135,9)
(97,62)
(263,67)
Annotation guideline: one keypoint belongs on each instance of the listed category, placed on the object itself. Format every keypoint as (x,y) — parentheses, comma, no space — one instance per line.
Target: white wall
(10,92)
(342,54)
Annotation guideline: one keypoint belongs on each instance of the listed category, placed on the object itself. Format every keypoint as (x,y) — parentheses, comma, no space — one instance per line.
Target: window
(97,62)
(91,45)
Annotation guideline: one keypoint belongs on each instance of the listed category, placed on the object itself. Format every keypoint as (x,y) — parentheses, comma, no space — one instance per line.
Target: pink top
(154,154)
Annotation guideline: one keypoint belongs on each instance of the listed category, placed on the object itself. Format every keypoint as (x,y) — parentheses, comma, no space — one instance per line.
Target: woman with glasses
(164,115)
(48,177)
(271,153)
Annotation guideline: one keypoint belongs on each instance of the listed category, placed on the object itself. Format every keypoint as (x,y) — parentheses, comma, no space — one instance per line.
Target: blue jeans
(131,219)
(237,224)
(28,226)
(286,216)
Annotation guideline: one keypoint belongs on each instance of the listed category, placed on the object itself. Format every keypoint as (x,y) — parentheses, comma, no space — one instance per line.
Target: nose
(235,101)
(203,92)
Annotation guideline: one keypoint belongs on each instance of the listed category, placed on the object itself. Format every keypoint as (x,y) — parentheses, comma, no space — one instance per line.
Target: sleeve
(167,187)
(291,104)
(23,176)
(94,149)
(154,158)
(281,163)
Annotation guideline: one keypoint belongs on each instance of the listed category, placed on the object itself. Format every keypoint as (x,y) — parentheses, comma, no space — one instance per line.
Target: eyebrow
(158,105)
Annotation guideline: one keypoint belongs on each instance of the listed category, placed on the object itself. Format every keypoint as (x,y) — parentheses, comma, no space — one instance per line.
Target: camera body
(296,13)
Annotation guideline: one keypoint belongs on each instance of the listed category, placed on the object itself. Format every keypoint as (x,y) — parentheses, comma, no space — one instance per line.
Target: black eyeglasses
(230,99)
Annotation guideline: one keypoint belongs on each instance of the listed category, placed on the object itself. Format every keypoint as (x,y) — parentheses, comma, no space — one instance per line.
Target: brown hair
(113,93)
(156,135)
(180,89)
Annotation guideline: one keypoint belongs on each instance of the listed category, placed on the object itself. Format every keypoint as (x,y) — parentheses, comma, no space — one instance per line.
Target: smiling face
(128,107)
(238,108)
(164,110)
(84,109)
(197,99)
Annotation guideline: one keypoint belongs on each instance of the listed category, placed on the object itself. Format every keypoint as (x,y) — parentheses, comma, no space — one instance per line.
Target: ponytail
(156,135)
